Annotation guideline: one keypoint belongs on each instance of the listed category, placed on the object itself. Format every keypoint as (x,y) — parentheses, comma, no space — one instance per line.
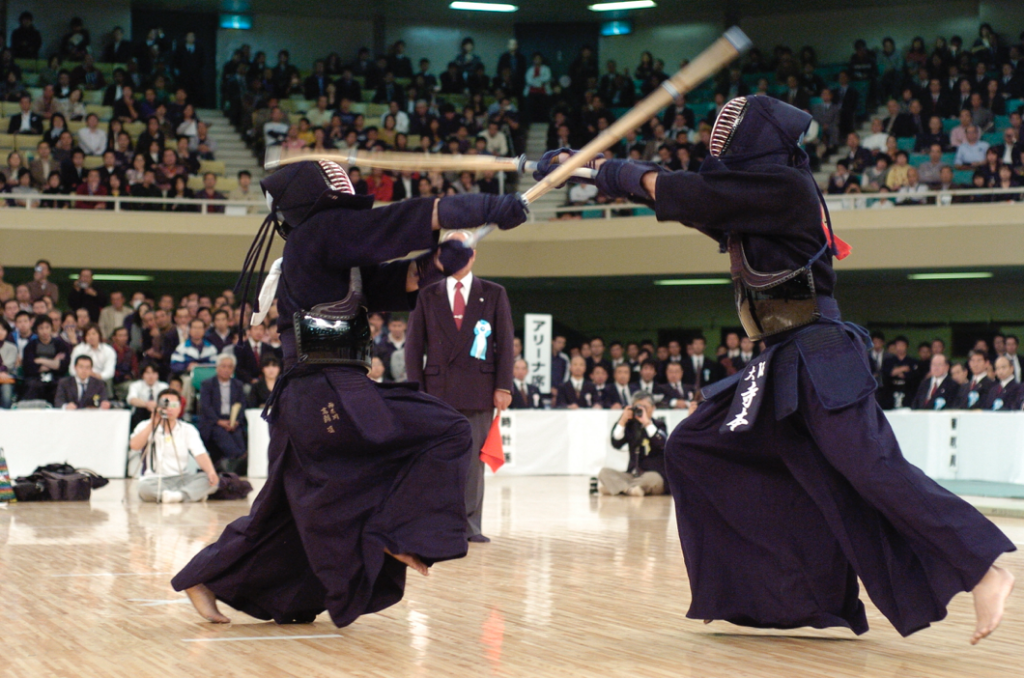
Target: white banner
(507,427)
(537,330)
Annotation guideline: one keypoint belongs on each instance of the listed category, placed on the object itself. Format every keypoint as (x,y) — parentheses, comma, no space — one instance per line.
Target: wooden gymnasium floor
(572,585)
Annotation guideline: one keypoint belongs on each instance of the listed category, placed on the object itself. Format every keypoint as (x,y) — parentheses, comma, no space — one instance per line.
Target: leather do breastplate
(771,303)
(336,333)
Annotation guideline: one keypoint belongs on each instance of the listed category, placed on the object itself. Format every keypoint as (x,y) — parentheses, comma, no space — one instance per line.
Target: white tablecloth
(945,445)
(93,439)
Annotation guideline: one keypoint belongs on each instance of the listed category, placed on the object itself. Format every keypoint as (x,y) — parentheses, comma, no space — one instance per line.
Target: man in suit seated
(648,384)
(938,391)
(577,392)
(25,121)
(599,376)
(81,391)
(699,371)
(976,389)
(679,395)
(1005,391)
(223,438)
(525,396)
(645,438)
(621,388)
(249,354)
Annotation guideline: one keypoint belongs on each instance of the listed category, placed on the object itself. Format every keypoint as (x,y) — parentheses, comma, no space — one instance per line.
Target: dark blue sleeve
(344,239)
(384,287)
(747,202)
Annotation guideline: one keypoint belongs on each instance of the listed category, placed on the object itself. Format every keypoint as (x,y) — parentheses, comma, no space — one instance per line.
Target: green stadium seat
(992,138)
(1013,105)
(93,97)
(7,141)
(965,177)
(905,143)
(201,373)
(948,125)
(104,112)
(27,142)
(375,111)
(215,166)
(948,159)
(93,162)
(1002,122)
(75,125)
(135,129)
(917,159)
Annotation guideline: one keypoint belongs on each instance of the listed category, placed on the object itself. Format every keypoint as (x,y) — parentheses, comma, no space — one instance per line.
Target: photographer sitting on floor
(646,439)
(165,444)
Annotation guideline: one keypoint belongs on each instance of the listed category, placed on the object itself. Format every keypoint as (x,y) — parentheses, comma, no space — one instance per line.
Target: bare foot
(206,604)
(708,621)
(989,598)
(412,561)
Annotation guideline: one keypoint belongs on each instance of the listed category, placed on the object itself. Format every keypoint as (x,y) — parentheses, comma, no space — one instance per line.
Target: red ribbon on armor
(839,246)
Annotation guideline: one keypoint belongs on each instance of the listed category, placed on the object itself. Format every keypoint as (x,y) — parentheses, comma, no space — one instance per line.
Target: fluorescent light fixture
(978,275)
(627,4)
(238,22)
(116,277)
(619,27)
(673,282)
(484,6)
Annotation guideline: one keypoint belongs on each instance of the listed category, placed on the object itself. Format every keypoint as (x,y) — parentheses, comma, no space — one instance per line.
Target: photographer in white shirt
(165,444)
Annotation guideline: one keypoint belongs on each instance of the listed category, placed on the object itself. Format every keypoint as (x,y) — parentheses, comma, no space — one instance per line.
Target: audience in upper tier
(963,95)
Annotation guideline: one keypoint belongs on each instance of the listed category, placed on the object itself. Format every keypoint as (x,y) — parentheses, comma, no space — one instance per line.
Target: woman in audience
(917,57)
(293,142)
(1006,179)
(333,65)
(319,141)
(137,325)
(306,132)
(993,99)
(72,107)
(12,172)
(169,170)
(402,143)
(387,134)
(53,187)
(185,157)
(69,331)
(58,125)
(934,135)
(153,155)
(115,189)
(114,129)
(180,189)
(189,126)
(645,68)
(104,359)
(261,390)
(135,173)
(336,131)
(8,363)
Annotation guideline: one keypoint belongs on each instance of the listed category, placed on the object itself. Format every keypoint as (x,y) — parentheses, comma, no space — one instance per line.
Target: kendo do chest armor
(336,333)
(772,303)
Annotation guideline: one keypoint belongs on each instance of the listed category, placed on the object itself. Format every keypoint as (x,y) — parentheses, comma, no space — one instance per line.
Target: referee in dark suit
(459,349)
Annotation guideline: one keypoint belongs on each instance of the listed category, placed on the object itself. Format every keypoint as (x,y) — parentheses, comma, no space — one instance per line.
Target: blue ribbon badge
(997,404)
(479,348)
(972,398)
(940,403)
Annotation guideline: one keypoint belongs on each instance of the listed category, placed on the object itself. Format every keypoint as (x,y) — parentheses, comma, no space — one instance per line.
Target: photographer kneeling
(646,439)
(165,444)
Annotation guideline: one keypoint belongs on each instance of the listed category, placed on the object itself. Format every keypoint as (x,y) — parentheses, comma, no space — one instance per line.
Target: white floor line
(224,640)
(154,602)
(113,574)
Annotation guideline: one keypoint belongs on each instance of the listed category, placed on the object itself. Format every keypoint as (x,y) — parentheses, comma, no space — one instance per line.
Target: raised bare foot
(206,604)
(989,599)
(412,561)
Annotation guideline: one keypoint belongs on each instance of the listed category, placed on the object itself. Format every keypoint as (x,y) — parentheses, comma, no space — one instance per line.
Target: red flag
(492,453)
(842,248)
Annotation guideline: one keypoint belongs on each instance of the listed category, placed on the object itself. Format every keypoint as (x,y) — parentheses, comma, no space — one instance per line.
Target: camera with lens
(638,411)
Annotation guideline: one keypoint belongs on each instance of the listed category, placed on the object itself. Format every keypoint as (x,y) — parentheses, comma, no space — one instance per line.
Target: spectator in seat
(857,157)
(622,389)
(250,353)
(93,187)
(125,109)
(599,378)
(220,334)
(525,396)
(981,116)
(939,391)
(645,438)
(876,141)
(82,390)
(126,367)
(195,350)
(217,397)
(114,315)
(971,153)
(577,392)
(8,365)
(42,165)
(648,382)
(73,173)
(699,371)
(678,395)
(84,295)
(270,371)
(45,358)
(25,39)
(147,188)
(25,121)
(246,191)
(597,357)
(975,391)
(118,50)
(209,192)
(41,286)
(1004,394)
(166,444)
(958,135)
(102,357)
(910,188)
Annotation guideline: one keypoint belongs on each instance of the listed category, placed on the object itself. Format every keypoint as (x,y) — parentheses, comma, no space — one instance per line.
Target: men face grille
(725,125)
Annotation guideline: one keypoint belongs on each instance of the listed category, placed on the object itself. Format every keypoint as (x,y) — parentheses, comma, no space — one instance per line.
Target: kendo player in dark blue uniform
(788,481)
(365,479)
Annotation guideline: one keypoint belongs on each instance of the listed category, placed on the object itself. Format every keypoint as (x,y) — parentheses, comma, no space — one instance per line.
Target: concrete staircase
(231,150)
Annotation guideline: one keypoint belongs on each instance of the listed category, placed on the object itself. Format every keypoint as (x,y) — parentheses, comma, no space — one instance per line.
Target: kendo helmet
(297,191)
(758,130)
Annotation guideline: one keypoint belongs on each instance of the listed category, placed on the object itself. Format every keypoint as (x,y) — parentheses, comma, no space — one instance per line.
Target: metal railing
(846,201)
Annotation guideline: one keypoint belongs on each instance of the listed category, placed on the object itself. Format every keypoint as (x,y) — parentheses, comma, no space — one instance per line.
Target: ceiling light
(484,6)
(116,277)
(693,281)
(950,276)
(627,4)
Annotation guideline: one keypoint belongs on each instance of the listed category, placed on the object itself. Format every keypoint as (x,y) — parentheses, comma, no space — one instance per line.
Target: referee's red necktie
(458,306)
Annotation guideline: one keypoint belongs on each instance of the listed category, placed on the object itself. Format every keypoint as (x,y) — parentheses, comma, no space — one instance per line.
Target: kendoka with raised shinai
(788,481)
(364,479)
